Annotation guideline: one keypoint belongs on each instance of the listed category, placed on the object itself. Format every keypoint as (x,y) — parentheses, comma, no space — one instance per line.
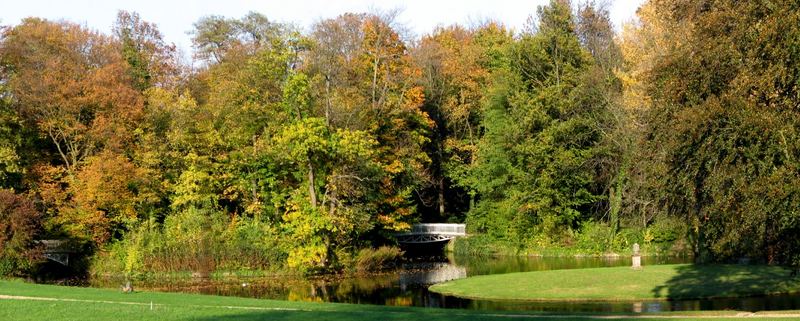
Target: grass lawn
(21,301)
(680,281)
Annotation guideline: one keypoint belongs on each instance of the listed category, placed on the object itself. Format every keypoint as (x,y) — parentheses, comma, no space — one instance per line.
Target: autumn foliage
(20,224)
(281,149)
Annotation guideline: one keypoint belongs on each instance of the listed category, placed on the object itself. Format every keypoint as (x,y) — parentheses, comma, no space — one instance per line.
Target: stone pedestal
(636,258)
(637,262)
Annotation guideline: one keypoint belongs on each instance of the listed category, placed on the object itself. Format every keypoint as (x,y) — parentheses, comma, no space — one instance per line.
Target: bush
(372,260)
(193,240)
(251,244)
(19,224)
(596,238)
(665,230)
(478,245)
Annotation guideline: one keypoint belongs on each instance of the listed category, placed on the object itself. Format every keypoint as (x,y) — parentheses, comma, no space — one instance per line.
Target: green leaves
(10,140)
(304,141)
(534,170)
(336,139)
(723,122)
(195,188)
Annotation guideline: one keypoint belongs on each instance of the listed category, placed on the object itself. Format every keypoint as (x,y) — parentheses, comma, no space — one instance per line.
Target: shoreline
(22,301)
(623,284)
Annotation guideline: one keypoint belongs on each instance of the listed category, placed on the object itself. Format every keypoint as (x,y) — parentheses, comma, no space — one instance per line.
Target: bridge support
(62,258)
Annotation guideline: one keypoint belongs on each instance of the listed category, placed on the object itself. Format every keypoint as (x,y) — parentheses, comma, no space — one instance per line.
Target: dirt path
(764,314)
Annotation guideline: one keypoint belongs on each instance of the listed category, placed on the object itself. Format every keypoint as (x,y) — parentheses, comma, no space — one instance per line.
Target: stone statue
(127,288)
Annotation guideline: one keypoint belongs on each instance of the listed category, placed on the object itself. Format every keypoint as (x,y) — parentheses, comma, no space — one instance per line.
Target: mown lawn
(45,302)
(679,281)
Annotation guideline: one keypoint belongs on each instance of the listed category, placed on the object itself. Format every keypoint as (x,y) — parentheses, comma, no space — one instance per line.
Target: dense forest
(284,149)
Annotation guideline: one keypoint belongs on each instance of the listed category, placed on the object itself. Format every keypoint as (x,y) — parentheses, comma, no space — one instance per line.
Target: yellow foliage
(395,167)
(307,257)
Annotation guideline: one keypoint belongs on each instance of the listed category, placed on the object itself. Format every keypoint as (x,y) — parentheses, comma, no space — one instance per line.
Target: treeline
(278,148)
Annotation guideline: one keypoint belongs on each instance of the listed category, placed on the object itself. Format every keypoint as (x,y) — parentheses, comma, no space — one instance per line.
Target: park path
(757,315)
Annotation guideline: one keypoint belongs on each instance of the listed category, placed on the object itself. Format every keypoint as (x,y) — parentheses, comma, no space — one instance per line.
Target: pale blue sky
(175,18)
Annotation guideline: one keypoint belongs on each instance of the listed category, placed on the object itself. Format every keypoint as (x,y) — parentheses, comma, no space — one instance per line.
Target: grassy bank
(681,281)
(22,301)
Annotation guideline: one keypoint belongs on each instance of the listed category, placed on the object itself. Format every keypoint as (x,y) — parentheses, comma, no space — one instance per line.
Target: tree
(10,137)
(215,37)
(337,44)
(151,61)
(535,170)
(335,198)
(20,224)
(602,87)
(374,90)
(108,195)
(239,102)
(722,122)
(596,34)
(455,64)
(73,85)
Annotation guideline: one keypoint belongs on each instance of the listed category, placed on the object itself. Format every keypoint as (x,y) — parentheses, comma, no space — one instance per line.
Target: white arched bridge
(57,250)
(431,233)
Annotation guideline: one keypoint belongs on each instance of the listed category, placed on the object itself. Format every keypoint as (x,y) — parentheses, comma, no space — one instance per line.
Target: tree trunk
(471,201)
(254,180)
(311,190)
(375,65)
(327,100)
(441,197)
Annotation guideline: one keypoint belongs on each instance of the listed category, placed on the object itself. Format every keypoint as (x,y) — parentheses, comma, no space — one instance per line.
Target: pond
(408,286)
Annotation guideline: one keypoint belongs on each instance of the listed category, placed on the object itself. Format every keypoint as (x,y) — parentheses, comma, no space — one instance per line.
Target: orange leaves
(106,192)
(20,224)
(381,41)
(72,83)
(50,180)
(454,60)
(364,74)
(395,167)
(413,99)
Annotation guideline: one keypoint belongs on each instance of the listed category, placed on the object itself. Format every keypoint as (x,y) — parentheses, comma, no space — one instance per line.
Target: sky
(175,18)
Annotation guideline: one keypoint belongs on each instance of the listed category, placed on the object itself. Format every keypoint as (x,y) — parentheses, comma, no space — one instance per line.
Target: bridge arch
(431,233)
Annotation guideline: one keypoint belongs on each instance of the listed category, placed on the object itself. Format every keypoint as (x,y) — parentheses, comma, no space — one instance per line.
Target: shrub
(307,259)
(19,224)
(476,245)
(193,240)
(596,237)
(250,243)
(372,260)
(665,230)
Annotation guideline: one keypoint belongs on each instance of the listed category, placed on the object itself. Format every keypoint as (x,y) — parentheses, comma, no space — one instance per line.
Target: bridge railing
(57,250)
(439,228)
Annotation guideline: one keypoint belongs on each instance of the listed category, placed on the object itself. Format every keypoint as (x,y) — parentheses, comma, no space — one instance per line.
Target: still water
(408,286)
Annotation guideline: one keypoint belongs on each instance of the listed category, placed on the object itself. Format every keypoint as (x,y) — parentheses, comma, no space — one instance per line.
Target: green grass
(89,304)
(680,281)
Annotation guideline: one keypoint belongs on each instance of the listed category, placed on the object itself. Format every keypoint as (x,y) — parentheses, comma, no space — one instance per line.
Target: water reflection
(408,285)
(782,302)
(432,273)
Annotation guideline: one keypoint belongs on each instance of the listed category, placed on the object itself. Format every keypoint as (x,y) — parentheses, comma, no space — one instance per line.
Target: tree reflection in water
(407,286)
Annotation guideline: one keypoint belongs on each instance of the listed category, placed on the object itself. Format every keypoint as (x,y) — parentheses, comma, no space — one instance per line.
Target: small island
(659,282)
